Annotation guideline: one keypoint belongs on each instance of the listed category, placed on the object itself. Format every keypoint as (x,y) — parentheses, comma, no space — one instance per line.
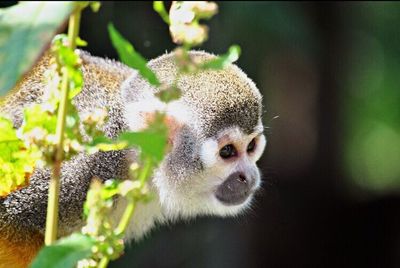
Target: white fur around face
(208,152)
(260,146)
(261,142)
(259,128)
(180,112)
(209,149)
(233,134)
(135,112)
(188,201)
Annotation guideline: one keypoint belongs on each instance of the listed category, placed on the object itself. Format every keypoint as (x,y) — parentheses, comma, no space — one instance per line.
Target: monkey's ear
(178,116)
(140,114)
(173,126)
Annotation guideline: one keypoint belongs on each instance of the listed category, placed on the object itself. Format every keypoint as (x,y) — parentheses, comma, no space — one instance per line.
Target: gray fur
(183,161)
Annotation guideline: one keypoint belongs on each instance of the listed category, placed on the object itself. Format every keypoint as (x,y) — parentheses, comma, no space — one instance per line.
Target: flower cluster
(184,19)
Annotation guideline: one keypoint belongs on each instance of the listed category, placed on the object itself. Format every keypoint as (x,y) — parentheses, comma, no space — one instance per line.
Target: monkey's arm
(23,213)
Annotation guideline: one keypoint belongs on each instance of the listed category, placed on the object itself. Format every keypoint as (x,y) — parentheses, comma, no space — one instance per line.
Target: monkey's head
(216,136)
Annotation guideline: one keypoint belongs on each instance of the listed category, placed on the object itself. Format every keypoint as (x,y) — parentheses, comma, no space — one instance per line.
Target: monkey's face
(230,162)
(212,176)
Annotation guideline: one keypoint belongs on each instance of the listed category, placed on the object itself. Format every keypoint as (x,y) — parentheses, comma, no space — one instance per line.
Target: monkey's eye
(227,151)
(251,146)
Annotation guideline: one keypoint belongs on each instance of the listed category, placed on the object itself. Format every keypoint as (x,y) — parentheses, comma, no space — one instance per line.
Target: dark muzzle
(235,189)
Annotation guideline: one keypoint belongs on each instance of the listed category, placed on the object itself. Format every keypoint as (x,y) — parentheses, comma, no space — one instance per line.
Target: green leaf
(102,143)
(35,117)
(25,31)
(129,56)
(7,131)
(11,170)
(80,42)
(95,6)
(69,60)
(151,143)
(110,189)
(9,143)
(76,82)
(170,94)
(159,7)
(65,253)
(100,140)
(222,61)
(16,161)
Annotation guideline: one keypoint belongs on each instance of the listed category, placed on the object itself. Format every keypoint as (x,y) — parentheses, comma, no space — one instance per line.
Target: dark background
(331,170)
(316,65)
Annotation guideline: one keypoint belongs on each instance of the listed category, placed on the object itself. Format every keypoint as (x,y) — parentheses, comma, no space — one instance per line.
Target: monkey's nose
(235,189)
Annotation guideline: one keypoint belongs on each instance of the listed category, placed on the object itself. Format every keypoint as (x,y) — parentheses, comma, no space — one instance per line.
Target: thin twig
(54,187)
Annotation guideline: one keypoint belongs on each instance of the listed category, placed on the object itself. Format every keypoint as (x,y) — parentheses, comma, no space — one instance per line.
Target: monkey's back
(22,213)
(102,81)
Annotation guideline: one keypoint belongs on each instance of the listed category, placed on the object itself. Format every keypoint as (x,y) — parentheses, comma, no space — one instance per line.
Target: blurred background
(330,76)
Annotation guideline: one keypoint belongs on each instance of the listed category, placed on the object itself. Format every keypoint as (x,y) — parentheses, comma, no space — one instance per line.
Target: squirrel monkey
(210,169)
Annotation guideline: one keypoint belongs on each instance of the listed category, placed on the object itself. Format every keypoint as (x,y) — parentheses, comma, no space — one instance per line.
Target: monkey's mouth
(235,190)
(233,199)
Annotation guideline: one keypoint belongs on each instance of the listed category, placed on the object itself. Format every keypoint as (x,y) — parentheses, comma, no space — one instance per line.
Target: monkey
(209,169)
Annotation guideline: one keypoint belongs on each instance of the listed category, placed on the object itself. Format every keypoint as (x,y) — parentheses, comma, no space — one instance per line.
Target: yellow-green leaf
(16,161)
(159,7)
(222,61)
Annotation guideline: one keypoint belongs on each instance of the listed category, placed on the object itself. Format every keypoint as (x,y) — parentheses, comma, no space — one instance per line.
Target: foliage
(184,21)
(222,61)
(371,117)
(66,252)
(25,31)
(129,56)
(17,160)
